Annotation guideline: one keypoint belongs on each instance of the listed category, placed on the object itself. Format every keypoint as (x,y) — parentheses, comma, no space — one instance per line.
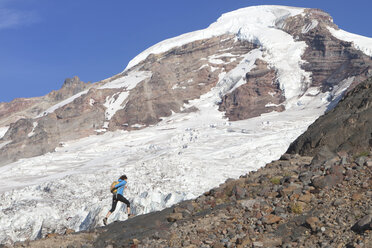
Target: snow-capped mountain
(185,115)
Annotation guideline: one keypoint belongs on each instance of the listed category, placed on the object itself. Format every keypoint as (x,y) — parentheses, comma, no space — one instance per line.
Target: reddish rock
(356,197)
(271,219)
(305,198)
(313,223)
(174,217)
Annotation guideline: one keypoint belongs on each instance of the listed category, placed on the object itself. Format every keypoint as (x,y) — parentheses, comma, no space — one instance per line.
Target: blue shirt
(120,186)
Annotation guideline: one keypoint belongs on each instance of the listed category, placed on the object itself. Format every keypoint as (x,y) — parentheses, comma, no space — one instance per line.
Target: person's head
(123,177)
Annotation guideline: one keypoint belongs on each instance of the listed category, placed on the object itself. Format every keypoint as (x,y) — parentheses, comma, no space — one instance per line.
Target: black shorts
(116,198)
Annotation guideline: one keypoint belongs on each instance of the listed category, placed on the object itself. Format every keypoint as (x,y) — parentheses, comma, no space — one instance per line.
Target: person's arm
(122,183)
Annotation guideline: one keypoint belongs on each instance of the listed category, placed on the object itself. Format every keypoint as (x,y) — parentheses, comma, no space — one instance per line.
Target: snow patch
(361,43)
(33,129)
(179,85)
(203,66)
(2,144)
(215,58)
(271,94)
(63,103)
(309,26)
(129,81)
(114,103)
(3,131)
(213,68)
(313,91)
(138,125)
(272,105)
(236,77)
(338,92)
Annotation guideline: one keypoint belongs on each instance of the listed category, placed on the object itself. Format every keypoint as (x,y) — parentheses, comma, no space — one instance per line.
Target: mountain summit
(192,110)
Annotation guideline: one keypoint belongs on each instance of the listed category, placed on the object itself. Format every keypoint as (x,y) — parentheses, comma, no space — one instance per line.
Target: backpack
(112,187)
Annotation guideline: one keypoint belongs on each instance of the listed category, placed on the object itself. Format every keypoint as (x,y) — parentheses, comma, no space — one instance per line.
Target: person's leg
(125,200)
(113,207)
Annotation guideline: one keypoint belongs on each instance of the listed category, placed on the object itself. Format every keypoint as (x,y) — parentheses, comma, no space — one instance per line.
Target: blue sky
(42,42)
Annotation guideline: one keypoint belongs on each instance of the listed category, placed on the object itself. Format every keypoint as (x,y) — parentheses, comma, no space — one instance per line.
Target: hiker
(117,190)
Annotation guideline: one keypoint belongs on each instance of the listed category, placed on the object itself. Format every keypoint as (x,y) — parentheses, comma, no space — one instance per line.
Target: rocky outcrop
(33,137)
(31,107)
(260,94)
(348,127)
(70,87)
(17,109)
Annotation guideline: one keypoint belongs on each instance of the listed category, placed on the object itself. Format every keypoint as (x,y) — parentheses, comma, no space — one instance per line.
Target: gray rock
(360,160)
(305,177)
(285,156)
(343,160)
(279,210)
(369,163)
(239,192)
(348,134)
(249,204)
(327,181)
(363,224)
(324,155)
(338,202)
(258,244)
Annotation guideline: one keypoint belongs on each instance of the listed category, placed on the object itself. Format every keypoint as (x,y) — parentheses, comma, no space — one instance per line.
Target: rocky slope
(347,128)
(268,59)
(297,201)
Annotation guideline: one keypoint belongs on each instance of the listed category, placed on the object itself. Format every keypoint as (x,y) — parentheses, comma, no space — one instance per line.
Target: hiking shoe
(130,215)
(105,221)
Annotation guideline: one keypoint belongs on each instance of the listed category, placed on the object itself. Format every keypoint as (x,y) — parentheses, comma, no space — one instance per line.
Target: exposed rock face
(328,59)
(30,136)
(38,136)
(259,95)
(179,75)
(31,107)
(70,87)
(17,109)
(347,127)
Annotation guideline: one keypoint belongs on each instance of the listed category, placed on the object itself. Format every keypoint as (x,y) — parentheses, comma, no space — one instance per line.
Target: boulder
(363,224)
